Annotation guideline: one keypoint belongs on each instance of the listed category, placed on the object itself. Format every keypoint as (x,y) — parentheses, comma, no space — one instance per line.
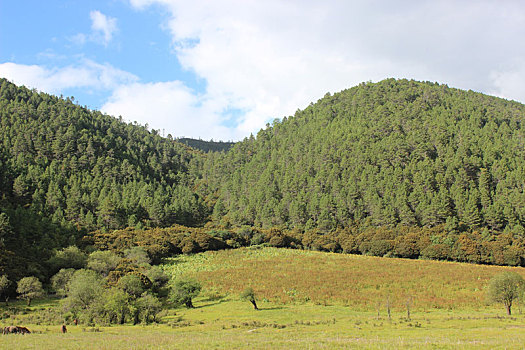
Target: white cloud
(84,74)
(168,106)
(78,39)
(508,83)
(103,25)
(269,58)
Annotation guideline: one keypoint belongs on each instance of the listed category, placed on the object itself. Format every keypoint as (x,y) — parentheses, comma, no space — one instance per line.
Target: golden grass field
(309,300)
(360,282)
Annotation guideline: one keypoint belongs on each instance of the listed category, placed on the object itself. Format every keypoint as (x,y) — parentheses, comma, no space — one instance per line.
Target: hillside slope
(295,276)
(66,170)
(381,154)
(374,157)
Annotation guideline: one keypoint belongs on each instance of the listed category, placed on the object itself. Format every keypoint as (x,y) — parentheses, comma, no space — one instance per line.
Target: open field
(308,300)
(360,282)
(233,324)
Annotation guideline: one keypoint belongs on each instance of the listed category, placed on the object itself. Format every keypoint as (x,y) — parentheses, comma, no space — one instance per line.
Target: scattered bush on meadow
(184,290)
(505,288)
(249,295)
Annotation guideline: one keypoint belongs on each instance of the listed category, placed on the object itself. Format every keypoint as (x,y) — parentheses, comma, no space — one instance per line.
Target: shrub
(184,290)
(249,295)
(60,280)
(505,288)
(29,288)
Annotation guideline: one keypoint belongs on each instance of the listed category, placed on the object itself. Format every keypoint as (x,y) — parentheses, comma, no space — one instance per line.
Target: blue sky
(223,69)
(59,33)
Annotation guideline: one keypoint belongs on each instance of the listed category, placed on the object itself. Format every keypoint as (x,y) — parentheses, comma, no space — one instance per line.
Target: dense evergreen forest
(207,146)
(395,152)
(66,171)
(395,168)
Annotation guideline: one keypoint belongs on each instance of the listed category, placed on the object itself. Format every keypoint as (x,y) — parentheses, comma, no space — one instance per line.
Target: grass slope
(361,282)
(308,300)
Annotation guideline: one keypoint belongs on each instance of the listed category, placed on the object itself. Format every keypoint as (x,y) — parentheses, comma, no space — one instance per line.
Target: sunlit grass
(307,300)
(234,324)
(362,282)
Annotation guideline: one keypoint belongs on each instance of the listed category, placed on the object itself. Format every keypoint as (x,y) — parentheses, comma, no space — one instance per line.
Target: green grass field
(308,300)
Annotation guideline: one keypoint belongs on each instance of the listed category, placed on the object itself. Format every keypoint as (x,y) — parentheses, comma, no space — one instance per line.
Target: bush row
(437,243)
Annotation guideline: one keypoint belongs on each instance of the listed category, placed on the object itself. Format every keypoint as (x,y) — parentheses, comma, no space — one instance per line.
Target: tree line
(436,243)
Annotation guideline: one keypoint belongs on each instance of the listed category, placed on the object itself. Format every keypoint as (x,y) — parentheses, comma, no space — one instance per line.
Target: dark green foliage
(158,280)
(184,290)
(379,154)
(148,307)
(70,257)
(92,170)
(157,243)
(4,285)
(132,284)
(116,305)
(66,170)
(207,146)
(394,168)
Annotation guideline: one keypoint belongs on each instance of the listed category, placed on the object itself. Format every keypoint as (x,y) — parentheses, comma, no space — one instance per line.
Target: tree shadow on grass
(271,308)
(208,304)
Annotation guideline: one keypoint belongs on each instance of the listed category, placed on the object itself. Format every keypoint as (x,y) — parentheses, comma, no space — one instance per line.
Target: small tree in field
(29,288)
(184,290)
(83,289)
(505,288)
(249,295)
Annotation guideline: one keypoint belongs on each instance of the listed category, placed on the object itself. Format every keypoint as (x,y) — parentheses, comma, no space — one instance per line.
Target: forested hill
(66,170)
(382,154)
(352,172)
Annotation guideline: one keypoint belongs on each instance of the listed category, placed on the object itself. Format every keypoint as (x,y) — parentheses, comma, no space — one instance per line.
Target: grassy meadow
(360,282)
(307,300)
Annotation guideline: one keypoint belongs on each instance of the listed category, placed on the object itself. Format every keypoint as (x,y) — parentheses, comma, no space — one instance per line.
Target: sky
(223,69)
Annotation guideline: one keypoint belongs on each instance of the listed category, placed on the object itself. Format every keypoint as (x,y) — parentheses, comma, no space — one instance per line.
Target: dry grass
(285,276)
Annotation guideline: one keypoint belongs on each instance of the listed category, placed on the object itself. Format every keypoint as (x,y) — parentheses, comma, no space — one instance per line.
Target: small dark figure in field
(23,330)
(63,329)
(75,321)
(15,330)
(10,330)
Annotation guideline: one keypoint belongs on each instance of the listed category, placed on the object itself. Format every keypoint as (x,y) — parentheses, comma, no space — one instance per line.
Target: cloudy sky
(223,69)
